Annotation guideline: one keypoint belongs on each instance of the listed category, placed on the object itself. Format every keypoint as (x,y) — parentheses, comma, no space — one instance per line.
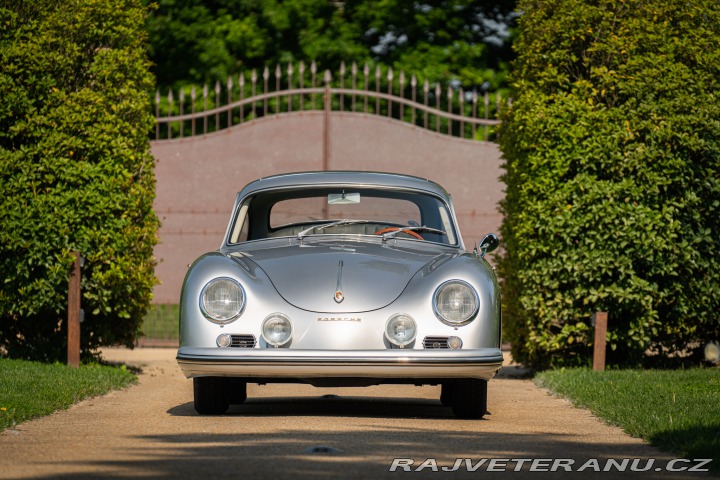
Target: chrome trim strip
(339,296)
(272,356)
(347,361)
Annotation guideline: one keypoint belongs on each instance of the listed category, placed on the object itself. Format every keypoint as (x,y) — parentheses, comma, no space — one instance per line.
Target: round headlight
(222,300)
(277,329)
(400,330)
(456,303)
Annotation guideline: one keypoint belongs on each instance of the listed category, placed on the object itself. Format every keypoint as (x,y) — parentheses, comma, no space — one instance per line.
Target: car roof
(357,178)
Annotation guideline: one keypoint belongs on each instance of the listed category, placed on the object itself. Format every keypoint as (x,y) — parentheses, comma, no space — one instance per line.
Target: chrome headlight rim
(441,317)
(222,320)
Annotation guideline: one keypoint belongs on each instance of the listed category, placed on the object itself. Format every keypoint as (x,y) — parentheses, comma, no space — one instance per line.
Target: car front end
(335,302)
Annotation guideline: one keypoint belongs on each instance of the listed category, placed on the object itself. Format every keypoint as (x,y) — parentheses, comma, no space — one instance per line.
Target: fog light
(400,330)
(277,329)
(224,340)
(454,343)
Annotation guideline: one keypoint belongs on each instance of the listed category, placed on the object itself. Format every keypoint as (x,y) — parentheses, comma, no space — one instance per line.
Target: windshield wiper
(412,229)
(307,231)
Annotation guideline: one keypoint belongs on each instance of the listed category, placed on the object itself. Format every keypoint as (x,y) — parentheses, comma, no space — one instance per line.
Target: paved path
(152,431)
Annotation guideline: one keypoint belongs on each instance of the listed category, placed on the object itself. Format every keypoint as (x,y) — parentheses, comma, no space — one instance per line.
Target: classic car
(342,279)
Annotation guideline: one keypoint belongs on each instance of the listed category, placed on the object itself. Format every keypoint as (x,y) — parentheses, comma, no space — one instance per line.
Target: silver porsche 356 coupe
(342,279)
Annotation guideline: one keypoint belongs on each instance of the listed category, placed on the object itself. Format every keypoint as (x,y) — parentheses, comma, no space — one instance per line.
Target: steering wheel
(394,229)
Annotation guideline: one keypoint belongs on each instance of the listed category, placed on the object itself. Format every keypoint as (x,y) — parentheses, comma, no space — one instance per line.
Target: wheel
(469,398)
(237,391)
(211,395)
(446,394)
(393,229)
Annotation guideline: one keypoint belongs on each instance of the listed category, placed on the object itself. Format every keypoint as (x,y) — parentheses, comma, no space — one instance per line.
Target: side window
(245,229)
(447,225)
(242,225)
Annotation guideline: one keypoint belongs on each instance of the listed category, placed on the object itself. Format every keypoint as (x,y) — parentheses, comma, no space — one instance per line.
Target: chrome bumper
(391,364)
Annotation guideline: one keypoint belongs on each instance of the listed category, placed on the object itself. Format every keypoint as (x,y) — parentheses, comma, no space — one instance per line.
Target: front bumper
(288,364)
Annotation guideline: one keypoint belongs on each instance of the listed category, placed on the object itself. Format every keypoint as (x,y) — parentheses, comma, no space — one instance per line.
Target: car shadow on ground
(331,406)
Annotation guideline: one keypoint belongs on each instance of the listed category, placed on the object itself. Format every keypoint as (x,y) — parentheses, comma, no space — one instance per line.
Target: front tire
(446,394)
(211,395)
(237,391)
(469,398)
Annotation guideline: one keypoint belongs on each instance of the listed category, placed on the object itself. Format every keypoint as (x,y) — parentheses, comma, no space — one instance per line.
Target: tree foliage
(446,40)
(75,172)
(612,146)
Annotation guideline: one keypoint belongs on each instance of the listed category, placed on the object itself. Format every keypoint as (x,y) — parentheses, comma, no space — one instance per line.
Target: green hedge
(612,148)
(76,172)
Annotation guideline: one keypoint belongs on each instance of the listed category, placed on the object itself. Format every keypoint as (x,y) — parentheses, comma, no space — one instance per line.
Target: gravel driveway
(295,431)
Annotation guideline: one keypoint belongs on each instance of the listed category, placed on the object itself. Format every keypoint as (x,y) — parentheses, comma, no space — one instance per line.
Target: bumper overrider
(482,363)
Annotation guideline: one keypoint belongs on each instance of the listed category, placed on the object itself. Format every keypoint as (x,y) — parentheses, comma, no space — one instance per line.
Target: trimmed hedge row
(612,148)
(76,172)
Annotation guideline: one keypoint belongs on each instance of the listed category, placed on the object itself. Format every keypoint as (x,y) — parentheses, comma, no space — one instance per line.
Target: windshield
(344,211)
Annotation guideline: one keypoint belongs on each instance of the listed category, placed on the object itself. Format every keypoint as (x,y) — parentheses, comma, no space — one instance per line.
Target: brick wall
(198,177)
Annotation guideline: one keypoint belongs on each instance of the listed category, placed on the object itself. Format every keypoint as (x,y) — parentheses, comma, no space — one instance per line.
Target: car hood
(371,276)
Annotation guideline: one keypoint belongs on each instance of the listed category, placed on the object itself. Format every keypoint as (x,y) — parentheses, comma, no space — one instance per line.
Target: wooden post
(73,352)
(599,321)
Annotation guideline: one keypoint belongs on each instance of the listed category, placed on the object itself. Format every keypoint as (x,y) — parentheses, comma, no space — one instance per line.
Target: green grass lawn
(675,410)
(30,389)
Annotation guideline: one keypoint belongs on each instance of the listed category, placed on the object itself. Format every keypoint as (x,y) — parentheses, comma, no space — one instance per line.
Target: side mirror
(489,243)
